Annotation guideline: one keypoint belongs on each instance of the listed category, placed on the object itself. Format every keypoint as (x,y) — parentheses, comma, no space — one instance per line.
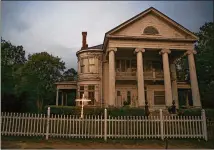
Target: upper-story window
(91,66)
(126,65)
(150,30)
(81,66)
(150,65)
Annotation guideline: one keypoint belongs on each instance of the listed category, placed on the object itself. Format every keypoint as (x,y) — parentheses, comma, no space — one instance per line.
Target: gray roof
(96,47)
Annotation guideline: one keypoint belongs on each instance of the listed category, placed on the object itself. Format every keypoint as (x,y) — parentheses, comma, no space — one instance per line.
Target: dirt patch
(29,143)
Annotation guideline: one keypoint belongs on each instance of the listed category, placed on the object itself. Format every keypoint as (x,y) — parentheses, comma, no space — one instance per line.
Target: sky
(56,26)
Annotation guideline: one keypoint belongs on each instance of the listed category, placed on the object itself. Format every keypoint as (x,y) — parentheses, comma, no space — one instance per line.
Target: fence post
(105,124)
(161,124)
(47,127)
(204,124)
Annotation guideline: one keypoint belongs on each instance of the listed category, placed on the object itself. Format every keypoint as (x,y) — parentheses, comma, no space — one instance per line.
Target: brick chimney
(84,41)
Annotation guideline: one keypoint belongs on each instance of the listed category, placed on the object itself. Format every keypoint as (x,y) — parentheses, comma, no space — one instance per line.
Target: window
(149,65)
(118,93)
(118,65)
(81,92)
(128,97)
(81,66)
(157,65)
(150,30)
(91,66)
(126,65)
(134,63)
(159,97)
(91,94)
(123,65)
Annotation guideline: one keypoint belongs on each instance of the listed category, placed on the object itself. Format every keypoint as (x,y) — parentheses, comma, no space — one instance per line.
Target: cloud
(56,26)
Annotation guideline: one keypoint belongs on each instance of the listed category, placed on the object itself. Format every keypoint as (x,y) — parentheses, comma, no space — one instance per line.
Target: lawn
(41,143)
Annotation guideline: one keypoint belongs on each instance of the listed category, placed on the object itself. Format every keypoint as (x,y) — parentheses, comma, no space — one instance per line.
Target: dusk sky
(56,26)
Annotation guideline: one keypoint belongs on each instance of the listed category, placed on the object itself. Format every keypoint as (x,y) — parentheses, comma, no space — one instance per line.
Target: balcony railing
(148,75)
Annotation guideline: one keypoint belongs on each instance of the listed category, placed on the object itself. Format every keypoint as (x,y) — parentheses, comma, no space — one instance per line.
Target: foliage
(12,59)
(204,64)
(37,78)
(196,112)
(74,110)
(70,75)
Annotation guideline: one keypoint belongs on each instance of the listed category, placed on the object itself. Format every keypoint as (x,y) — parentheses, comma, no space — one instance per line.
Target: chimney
(84,42)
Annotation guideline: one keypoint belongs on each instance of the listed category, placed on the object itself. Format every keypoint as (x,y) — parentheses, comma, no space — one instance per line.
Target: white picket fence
(67,126)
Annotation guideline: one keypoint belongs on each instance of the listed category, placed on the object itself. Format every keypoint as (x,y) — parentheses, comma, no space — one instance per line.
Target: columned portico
(112,96)
(193,79)
(167,80)
(140,76)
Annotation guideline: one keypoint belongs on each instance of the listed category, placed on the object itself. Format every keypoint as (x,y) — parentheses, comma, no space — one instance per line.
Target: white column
(174,84)
(140,77)
(112,76)
(167,80)
(57,97)
(193,79)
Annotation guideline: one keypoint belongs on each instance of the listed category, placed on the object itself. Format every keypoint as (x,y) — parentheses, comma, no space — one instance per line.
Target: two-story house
(136,63)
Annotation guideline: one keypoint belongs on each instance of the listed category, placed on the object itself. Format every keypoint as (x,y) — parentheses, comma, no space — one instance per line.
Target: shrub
(196,112)
(112,111)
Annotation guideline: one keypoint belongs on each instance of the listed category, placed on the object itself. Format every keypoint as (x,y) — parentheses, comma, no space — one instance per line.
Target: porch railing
(149,75)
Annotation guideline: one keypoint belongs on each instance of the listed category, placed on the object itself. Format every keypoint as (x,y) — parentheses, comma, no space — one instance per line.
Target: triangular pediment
(166,27)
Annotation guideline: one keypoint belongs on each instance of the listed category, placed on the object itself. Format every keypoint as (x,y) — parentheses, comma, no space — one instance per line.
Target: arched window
(150,30)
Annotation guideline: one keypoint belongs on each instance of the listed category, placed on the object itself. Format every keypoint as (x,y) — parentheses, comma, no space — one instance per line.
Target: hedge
(75,110)
(196,112)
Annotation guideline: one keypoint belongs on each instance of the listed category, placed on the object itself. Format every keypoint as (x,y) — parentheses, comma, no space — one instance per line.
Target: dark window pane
(127,64)
(81,87)
(150,30)
(123,65)
(117,64)
(134,64)
(91,97)
(129,97)
(91,87)
(159,97)
(118,93)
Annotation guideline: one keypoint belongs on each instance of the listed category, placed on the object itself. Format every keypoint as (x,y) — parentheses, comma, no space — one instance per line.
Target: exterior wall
(164,29)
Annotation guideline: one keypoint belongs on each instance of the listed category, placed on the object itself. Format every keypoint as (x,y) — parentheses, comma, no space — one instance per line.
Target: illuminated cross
(82,100)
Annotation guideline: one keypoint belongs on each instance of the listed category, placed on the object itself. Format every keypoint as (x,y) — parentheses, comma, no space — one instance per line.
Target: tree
(12,58)
(38,76)
(70,75)
(205,63)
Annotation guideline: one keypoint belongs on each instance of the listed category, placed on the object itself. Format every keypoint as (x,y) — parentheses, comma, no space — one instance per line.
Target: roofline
(65,82)
(136,16)
(150,38)
(86,50)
